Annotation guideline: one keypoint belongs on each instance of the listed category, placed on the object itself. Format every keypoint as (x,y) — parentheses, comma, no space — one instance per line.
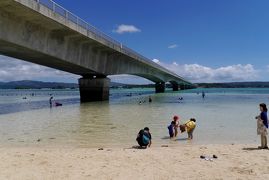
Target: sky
(200,40)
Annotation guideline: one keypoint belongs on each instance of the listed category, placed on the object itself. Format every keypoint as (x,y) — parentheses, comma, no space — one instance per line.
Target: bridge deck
(62,25)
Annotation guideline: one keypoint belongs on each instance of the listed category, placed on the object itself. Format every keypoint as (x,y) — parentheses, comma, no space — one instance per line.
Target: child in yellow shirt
(190,126)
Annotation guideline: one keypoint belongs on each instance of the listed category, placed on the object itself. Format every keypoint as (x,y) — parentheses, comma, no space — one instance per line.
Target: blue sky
(201,40)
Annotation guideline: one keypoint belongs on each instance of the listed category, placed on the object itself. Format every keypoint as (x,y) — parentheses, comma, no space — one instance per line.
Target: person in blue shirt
(262,126)
(171,129)
(144,138)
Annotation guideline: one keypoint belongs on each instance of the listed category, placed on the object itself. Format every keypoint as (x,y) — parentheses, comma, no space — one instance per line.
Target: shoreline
(238,161)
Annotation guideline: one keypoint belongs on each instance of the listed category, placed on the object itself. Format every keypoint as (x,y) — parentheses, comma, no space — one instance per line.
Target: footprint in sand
(243,170)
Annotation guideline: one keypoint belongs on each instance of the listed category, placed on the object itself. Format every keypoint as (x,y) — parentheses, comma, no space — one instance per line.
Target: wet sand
(180,162)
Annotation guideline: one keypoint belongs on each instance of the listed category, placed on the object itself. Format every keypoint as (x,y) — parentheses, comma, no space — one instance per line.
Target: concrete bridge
(43,32)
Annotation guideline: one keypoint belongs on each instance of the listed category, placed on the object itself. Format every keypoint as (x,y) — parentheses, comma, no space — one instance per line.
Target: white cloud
(173,46)
(156,61)
(199,73)
(14,70)
(123,28)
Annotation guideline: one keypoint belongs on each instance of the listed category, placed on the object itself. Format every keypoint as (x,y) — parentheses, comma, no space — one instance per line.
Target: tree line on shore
(234,85)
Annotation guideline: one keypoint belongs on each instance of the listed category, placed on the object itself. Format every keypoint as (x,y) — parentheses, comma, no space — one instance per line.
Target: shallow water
(224,116)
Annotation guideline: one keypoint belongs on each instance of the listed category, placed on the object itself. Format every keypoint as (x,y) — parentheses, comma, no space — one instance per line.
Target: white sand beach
(181,162)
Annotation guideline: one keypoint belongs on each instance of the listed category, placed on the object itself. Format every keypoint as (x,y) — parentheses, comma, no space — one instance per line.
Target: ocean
(224,116)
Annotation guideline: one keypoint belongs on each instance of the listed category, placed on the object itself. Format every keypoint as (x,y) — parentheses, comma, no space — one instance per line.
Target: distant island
(207,85)
(27,84)
(256,84)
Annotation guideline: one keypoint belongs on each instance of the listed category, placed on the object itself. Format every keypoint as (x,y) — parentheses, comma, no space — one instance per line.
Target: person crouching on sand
(144,138)
(262,125)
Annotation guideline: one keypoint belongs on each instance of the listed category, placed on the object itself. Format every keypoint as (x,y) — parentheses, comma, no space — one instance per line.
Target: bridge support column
(175,87)
(94,89)
(160,87)
(182,87)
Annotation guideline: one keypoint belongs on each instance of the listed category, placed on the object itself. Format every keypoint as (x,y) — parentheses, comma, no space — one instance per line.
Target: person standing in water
(176,124)
(171,129)
(190,126)
(262,125)
(50,101)
(203,94)
(150,100)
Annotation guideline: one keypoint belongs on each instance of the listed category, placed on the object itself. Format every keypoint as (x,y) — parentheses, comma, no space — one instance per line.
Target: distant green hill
(25,84)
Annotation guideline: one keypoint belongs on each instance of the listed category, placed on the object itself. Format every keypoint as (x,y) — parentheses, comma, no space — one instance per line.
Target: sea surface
(224,116)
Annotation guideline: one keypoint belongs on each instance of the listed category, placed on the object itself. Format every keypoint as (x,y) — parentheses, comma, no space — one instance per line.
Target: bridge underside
(36,34)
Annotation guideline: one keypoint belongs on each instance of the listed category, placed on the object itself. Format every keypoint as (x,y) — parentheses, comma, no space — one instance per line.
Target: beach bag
(182,128)
(145,139)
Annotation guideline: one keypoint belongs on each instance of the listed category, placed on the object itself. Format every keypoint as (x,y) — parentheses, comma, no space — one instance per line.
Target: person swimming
(58,104)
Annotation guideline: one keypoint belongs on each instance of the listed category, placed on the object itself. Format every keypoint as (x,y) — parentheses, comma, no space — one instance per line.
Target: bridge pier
(160,87)
(175,87)
(182,87)
(94,89)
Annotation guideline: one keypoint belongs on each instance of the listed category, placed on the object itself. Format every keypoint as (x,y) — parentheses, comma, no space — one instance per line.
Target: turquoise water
(224,116)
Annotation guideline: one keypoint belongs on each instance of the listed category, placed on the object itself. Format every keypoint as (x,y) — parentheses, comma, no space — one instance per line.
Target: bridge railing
(58,9)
